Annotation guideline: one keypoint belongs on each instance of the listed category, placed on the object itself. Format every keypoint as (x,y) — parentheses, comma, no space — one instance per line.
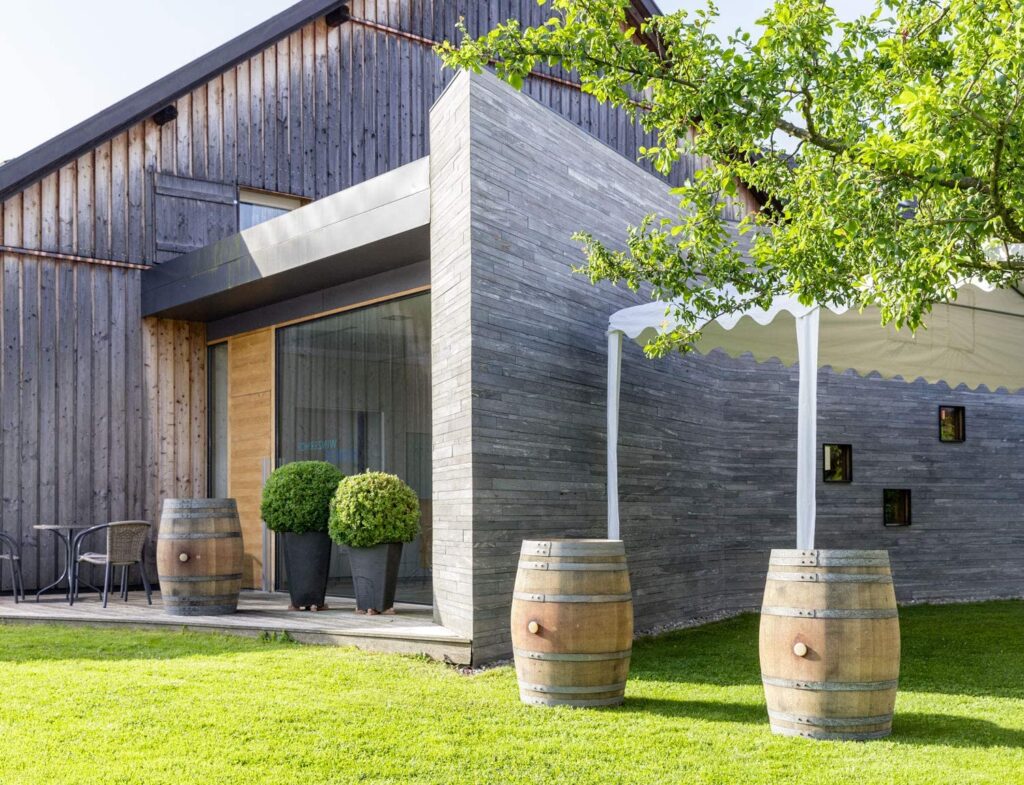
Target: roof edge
(20,172)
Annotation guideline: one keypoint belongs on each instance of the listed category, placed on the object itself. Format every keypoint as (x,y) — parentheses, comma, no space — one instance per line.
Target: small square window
(837,462)
(952,424)
(896,506)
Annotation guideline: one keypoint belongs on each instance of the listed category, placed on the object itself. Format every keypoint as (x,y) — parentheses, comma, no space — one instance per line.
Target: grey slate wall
(707,444)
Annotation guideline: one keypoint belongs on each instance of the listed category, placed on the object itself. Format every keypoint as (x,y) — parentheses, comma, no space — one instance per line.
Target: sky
(65,60)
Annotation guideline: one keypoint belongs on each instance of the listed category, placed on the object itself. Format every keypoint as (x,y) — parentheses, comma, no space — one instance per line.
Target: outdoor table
(66,533)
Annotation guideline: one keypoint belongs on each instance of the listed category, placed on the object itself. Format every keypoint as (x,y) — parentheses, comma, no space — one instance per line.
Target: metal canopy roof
(373,227)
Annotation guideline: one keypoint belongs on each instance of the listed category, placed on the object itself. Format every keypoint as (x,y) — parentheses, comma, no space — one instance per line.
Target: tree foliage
(889,148)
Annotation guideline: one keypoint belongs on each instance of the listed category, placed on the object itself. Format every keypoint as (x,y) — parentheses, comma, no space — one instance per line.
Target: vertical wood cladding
(313,113)
(70,385)
(173,422)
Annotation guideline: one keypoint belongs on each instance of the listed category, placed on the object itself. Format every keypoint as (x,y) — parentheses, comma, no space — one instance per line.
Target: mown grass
(98,706)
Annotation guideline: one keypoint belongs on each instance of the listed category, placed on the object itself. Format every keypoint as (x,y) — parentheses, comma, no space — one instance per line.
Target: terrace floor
(411,630)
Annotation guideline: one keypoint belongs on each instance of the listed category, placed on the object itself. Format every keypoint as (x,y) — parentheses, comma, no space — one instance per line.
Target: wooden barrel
(830,644)
(199,556)
(572,622)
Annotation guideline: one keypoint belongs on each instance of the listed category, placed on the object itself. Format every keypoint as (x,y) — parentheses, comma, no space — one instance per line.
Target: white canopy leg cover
(807,428)
(614,380)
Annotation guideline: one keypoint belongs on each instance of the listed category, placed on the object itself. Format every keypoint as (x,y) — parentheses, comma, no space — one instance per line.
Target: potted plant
(296,504)
(372,514)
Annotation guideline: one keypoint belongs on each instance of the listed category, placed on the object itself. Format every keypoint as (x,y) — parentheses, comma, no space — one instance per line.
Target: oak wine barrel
(199,556)
(572,622)
(830,644)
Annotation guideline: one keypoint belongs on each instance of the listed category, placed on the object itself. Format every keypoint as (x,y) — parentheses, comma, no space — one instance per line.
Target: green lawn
(108,707)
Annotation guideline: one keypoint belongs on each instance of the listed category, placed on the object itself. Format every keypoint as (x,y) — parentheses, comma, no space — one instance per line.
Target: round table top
(59,526)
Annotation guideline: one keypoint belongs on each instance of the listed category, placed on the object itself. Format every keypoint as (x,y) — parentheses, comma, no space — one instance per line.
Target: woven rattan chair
(10,552)
(126,546)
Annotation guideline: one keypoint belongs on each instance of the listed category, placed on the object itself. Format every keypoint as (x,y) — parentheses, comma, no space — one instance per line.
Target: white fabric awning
(976,341)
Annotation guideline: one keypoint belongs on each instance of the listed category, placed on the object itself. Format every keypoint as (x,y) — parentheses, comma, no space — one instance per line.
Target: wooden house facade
(314,242)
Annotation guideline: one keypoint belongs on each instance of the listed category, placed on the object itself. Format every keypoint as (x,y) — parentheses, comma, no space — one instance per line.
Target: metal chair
(10,552)
(126,546)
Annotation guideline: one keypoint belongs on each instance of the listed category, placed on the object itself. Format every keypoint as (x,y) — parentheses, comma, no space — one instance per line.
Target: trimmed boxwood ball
(297,496)
(373,508)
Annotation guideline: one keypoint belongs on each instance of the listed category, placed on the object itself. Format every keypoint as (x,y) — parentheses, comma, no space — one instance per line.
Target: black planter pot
(307,558)
(375,575)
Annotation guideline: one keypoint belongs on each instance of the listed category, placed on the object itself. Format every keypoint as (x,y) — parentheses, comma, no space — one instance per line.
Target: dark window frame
(904,501)
(846,458)
(960,424)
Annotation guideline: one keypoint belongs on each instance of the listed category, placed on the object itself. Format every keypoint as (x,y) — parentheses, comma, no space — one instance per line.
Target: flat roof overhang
(376,226)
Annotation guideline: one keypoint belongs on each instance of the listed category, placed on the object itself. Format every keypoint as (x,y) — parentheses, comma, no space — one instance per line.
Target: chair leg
(108,573)
(19,583)
(145,581)
(124,582)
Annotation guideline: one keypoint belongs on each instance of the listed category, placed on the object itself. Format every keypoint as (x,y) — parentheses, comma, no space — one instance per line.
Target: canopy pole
(614,381)
(807,428)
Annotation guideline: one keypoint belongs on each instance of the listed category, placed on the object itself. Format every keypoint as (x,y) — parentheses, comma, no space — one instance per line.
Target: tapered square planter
(307,558)
(375,575)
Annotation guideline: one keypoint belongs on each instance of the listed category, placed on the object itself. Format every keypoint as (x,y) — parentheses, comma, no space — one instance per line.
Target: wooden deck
(410,631)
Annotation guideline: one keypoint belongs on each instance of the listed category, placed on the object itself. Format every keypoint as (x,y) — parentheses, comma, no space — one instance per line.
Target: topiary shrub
(374,508)
(297,496)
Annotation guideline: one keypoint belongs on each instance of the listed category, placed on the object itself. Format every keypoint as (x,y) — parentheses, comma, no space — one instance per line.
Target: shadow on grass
(911,728)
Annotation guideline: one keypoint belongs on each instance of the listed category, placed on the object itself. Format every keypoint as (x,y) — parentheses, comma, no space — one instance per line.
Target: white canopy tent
(977,340)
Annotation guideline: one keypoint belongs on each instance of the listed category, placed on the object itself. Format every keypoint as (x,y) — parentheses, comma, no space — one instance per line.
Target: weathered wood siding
(174,412)
(312,114)
(70,385)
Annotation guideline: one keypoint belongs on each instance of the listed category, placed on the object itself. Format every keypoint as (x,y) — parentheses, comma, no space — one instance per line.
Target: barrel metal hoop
(822,735)
(572,548)
(200,536)
(831,613)
(200,578)
(830,722)
(551,656)
(830,686)
(563,690)
(537,700)
(827,577)
(201,600)
(210,514)
(574,566)
(582,598)
(829,558)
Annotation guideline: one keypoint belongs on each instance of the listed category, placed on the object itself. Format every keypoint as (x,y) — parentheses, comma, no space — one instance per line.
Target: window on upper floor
(255,207)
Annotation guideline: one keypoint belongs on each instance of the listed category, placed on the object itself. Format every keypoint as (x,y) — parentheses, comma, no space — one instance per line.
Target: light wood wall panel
(173,421)
(251,434)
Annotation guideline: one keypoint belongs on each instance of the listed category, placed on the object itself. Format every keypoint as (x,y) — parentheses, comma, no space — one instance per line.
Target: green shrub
(373,508)
(297,496)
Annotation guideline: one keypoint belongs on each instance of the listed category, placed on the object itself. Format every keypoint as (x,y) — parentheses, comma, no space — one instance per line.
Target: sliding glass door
(354,389)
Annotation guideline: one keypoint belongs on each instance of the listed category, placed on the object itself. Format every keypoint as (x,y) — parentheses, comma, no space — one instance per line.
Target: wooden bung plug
(800,649)
(182,557)
(533,627)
